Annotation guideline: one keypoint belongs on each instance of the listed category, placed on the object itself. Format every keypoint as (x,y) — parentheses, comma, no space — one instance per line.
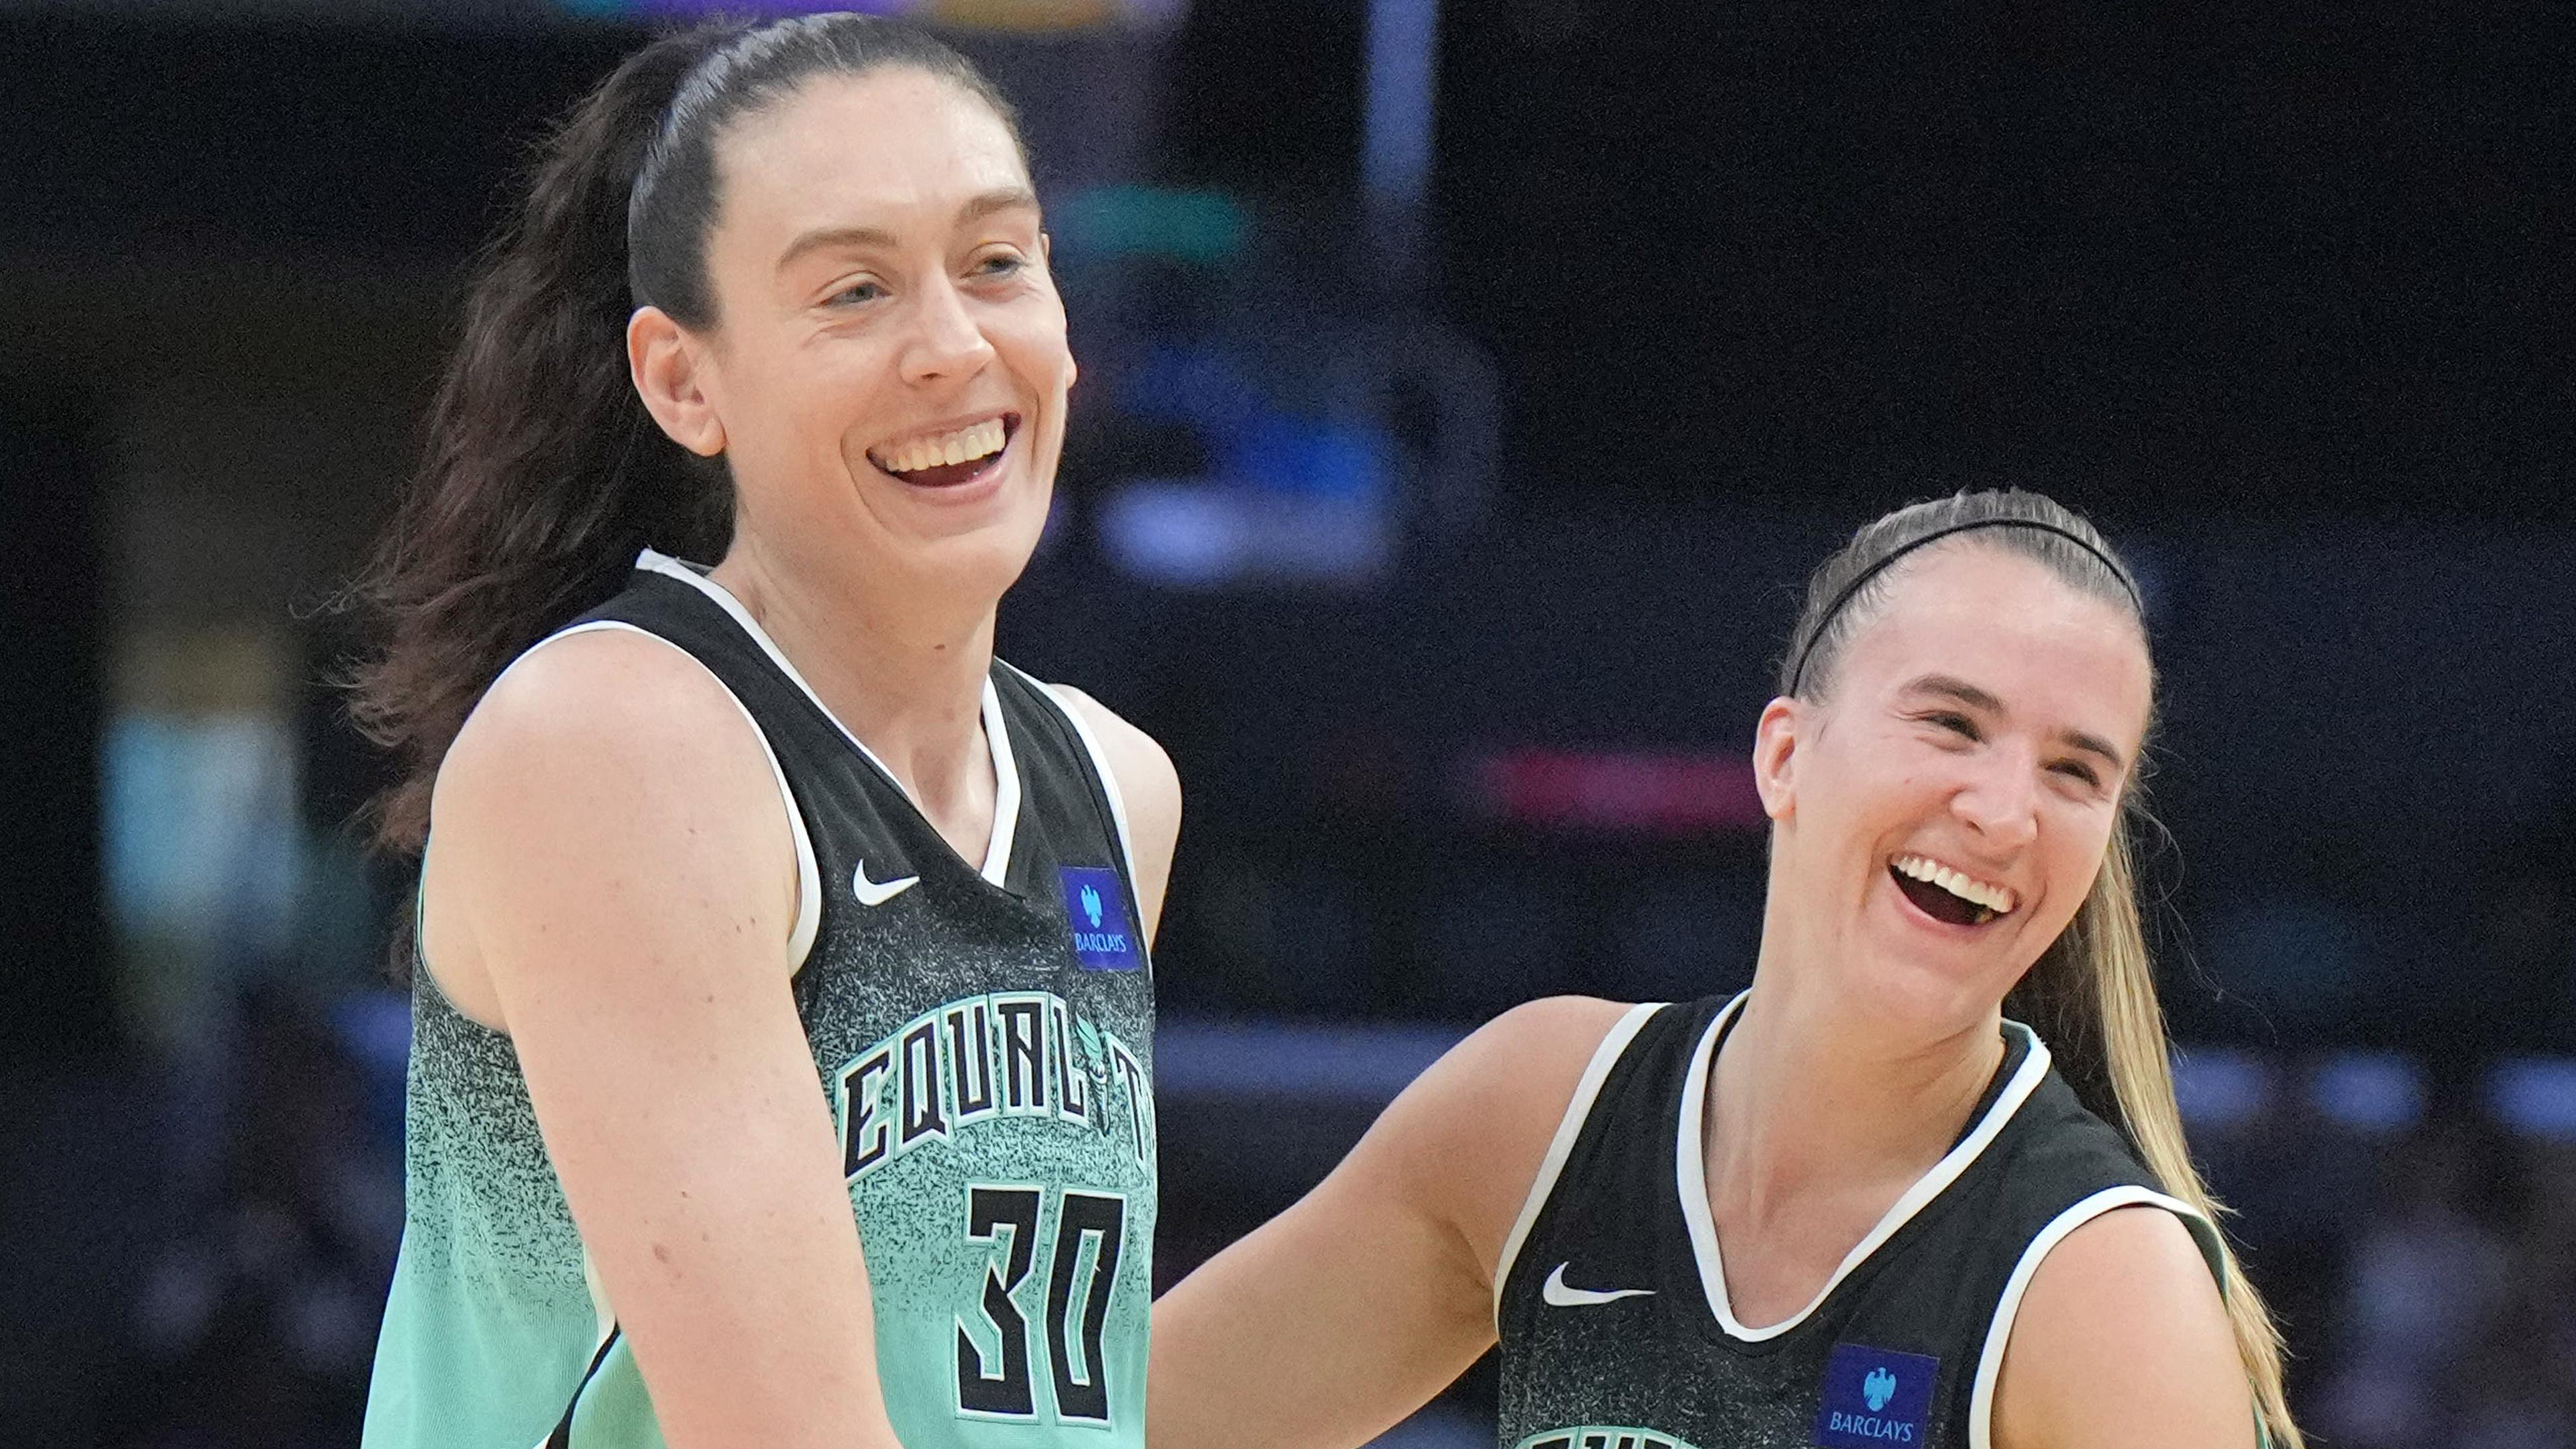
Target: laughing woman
(780,981)
(1862,1204)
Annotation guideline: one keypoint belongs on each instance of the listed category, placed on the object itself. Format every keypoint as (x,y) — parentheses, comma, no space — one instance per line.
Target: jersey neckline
(997,736)
(1691,1175)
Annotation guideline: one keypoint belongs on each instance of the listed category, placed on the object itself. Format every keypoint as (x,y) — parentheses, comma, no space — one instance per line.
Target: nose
(2000,799)
(946,342)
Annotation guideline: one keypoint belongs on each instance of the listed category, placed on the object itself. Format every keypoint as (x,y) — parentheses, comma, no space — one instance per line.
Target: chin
(987,560)
(1937,985)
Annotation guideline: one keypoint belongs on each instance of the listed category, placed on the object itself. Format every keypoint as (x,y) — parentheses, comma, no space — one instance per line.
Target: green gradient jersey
(984,1038)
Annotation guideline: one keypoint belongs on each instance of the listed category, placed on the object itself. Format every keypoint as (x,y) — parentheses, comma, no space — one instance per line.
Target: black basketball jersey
(982,1033)
(1612,1306)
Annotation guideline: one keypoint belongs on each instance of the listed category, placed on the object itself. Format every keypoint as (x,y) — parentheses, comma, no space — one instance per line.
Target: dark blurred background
(1467,389)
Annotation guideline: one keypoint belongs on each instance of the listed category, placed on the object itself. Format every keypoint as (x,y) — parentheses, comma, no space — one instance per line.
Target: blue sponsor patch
(1875,1399)
(1104,930)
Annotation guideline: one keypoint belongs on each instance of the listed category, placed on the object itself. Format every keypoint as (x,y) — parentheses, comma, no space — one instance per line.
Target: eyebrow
(1948,687)
(976,209)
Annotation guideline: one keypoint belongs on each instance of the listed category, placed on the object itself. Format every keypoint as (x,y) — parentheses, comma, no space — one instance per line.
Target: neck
(901,668)
(1814,1098)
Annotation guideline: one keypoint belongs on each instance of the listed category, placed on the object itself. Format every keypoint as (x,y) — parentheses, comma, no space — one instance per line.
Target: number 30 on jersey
(1089,1232)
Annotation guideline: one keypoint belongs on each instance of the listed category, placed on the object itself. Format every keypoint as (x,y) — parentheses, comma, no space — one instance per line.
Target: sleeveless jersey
(1612,1306)
(984,1038)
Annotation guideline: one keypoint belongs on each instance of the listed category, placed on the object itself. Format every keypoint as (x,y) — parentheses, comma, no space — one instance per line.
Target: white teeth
(981,440)
(1998,899)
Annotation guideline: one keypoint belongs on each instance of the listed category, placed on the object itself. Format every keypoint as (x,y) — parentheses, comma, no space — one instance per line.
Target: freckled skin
(843,349)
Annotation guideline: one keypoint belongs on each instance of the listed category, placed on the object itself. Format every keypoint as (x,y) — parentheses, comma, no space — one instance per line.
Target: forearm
(1316,1332)
(1356,1306)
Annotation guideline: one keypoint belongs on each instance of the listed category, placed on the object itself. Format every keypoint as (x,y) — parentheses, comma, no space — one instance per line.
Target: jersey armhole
(1099,763)
(1990,1359)
(809,875)
(1560,1147)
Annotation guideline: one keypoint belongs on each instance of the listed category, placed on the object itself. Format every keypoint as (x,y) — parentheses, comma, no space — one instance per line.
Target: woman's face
(1943,811)
(888,362)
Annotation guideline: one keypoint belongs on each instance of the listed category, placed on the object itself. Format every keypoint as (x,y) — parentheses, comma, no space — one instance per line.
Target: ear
(1046,263)
(668,366)
(1775,757)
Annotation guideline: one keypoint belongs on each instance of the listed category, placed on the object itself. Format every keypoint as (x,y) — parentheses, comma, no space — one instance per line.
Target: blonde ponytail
(2095,993)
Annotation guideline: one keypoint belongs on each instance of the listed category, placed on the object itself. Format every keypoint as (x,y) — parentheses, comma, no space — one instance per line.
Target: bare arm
(1350,1310)
(2123,1343)
(620,867)
(1152,791)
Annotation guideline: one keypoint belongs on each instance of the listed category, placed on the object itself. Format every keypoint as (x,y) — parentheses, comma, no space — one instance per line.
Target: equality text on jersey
(1010,1055)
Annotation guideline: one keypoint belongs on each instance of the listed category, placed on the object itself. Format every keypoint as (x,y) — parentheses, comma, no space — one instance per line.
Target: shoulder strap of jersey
(1990,1359)
(1569,1129)
(1093,759)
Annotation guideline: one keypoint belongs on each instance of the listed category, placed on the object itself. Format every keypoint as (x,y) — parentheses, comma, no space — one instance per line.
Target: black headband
(1799,674)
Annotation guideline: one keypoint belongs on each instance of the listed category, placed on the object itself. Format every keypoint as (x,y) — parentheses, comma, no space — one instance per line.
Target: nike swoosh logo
(874,893)
(1560,1296)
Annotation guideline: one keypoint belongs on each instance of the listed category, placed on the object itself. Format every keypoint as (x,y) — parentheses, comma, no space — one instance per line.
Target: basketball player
(1861,1204)
(782,1057)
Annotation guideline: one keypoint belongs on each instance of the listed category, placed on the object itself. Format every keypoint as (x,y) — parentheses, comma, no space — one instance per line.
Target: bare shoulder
(1530,1056)
(608,762)
(1471,1132)
(2122,1341)
(1145,773)
(608,707)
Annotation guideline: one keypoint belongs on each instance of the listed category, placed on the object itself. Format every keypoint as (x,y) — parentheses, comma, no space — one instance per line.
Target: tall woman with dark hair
(1862,1204)
(782,1057)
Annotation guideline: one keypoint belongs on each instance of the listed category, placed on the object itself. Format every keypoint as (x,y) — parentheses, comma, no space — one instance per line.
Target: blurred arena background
(1466,389)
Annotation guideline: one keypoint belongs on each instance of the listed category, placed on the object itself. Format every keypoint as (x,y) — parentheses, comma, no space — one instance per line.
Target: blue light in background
(2370,1092)
(2535,1096)
(2219,1088)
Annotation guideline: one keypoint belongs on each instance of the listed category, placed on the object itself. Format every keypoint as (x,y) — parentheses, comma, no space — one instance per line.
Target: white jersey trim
(1569,1129)
(1006,775)
(1990,1360)
(1690,1169)
(1006,788)
(1099,762)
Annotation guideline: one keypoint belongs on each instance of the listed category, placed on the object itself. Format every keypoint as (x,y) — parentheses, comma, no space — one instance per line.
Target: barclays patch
(1104,930)
(1876,1399)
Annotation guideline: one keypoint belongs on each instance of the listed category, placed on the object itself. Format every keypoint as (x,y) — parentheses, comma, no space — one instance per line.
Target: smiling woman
(782,1062)
(1864,1203)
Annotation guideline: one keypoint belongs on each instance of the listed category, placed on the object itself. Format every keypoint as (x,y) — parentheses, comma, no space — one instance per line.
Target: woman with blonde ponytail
(782,1050)
(2097,988)
(1924,1184)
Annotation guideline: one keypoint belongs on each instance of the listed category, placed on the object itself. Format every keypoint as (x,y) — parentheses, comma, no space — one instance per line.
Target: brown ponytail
(543,474)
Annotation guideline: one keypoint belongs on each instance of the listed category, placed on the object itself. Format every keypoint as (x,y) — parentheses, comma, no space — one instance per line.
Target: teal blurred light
(1206,227)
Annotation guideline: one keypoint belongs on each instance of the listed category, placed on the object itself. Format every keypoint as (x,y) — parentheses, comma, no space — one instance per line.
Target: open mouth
(1948,895)
(945,460)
